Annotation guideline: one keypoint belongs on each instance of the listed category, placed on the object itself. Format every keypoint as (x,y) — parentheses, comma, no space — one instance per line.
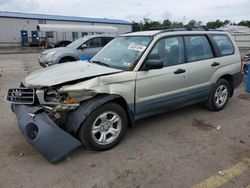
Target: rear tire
(104,127)
(219,95)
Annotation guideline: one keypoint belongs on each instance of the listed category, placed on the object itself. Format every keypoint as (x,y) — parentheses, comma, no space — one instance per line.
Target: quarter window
(198,48)
(224,44)
(169,50)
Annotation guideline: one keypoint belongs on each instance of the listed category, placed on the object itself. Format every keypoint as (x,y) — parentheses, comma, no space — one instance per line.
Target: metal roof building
(235,29)
(18,28)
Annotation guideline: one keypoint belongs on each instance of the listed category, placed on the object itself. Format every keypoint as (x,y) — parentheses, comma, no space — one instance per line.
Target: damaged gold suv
(136,75)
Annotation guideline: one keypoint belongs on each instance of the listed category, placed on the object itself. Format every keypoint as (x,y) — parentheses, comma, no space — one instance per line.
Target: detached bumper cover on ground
(40,131)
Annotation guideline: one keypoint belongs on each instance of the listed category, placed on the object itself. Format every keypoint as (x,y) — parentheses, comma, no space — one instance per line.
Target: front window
(170,50)
(78,42)
(123,52)
(94,43)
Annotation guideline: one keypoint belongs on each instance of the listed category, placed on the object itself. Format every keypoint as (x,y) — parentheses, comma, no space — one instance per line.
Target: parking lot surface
(190,147)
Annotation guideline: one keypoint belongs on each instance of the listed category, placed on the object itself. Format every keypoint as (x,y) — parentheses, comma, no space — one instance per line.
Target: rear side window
(224,44)
(198,48)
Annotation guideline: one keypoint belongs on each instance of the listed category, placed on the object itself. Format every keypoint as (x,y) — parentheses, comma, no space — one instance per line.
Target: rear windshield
(224,44)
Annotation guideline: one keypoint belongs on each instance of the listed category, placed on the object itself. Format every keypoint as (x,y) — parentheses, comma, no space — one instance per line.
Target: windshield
(77,42)
(123,52)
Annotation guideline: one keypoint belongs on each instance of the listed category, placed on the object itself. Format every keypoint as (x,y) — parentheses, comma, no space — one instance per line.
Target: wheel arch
(74,119)
(67,57)
(230,80)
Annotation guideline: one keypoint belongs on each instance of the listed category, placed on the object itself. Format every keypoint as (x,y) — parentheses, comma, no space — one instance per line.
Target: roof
(21,15)
(143,33)
(76,28)
(170,32)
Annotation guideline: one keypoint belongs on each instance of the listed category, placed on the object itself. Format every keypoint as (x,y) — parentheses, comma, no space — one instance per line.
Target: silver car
(84,48)
(135,76)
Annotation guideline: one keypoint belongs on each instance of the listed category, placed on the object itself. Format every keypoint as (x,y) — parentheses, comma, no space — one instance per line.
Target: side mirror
(153,64)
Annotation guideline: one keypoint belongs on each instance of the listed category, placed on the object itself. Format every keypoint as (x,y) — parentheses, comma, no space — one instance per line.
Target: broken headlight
(53,96)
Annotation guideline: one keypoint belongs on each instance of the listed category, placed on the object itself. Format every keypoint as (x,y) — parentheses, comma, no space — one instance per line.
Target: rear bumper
(237,79)
(41,132)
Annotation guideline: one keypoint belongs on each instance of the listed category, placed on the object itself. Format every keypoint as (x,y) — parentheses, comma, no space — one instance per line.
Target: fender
(74,119)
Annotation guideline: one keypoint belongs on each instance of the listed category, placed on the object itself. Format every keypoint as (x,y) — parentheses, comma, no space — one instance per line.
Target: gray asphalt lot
(182,148)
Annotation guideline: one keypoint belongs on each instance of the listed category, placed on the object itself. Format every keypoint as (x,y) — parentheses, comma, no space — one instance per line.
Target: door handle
(215,64)
(179,71)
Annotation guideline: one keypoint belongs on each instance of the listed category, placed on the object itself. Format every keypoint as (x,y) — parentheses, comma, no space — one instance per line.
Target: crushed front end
(40,116)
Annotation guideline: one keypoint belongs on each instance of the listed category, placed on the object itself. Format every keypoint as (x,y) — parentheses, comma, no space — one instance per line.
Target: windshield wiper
(100,63)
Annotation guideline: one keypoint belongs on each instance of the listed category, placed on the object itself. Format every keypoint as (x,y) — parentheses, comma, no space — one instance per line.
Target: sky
(136,10)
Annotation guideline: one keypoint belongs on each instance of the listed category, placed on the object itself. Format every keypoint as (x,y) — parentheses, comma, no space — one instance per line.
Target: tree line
(148,24)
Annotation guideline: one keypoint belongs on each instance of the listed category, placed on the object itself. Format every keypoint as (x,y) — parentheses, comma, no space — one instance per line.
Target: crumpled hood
(65,72)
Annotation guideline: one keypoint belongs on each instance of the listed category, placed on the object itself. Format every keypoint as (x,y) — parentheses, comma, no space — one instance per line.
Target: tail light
(241,61)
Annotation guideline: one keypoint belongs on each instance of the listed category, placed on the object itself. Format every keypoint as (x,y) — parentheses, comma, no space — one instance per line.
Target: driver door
(160,89)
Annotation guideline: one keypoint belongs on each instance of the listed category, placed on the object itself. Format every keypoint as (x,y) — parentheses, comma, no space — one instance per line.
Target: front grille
(21,96)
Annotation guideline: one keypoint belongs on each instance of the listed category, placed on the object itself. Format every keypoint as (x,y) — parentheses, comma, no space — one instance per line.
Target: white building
(241,35)
(235,29)
(21,28)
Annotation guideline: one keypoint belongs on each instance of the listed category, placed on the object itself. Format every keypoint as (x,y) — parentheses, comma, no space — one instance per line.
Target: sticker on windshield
(136,47)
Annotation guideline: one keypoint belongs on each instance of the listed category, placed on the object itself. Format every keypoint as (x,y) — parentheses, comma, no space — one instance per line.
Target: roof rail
(187,28)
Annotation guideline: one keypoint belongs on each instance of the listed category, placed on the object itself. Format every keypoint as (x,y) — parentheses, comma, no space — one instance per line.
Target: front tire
(104,127)
(219,95)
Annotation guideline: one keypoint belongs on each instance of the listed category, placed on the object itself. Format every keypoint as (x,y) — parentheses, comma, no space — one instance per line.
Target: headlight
(51,95)
(51,54)
(56,95)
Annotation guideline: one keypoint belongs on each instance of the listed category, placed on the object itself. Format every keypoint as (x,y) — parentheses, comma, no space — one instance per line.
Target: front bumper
(45,62)
(41,132)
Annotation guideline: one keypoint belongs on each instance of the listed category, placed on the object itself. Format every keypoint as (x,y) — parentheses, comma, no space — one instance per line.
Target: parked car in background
(135,76)
(85,47)
(246,62)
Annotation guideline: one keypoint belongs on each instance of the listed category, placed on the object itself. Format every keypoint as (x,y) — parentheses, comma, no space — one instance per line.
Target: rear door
(201,65)
(226,50)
